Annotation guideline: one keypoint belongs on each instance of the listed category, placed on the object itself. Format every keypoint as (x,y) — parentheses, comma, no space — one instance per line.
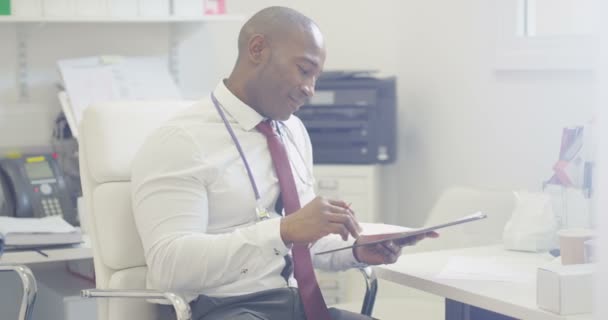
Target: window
(556,17)
(546,35)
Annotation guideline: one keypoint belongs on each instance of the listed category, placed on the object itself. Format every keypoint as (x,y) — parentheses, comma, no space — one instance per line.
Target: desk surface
(513,299)
(82,251)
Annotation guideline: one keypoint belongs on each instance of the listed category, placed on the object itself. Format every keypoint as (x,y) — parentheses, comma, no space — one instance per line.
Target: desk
(512,299)
(78,252)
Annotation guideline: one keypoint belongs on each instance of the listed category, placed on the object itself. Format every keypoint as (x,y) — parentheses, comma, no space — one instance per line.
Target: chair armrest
(371,288)
(181,306)
(30,289)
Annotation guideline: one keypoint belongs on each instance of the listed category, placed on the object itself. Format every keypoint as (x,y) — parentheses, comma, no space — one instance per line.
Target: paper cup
(572,245)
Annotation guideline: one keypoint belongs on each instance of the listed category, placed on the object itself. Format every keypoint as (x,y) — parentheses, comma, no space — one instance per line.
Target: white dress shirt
(194,204)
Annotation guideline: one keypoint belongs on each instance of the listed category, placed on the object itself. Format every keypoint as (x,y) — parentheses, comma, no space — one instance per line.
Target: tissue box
(566,289)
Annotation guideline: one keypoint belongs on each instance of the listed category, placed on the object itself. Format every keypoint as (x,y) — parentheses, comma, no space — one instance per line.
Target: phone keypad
(51,206)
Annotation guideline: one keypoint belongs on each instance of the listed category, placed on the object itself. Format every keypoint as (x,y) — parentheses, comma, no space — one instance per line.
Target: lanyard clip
(262,213)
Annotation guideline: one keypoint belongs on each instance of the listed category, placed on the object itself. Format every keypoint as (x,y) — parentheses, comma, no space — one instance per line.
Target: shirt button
(276,252)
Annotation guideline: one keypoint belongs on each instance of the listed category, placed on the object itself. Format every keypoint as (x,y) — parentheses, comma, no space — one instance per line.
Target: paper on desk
(488,268)
(52,224)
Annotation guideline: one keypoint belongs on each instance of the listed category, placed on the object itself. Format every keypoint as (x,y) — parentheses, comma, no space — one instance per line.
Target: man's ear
(258,48)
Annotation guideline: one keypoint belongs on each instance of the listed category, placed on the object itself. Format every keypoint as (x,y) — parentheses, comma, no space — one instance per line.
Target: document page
(487,268)
(99,79)
(52,224)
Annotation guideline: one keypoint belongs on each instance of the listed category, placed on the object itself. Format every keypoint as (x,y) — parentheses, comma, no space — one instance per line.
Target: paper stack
(100,79)
(38,232)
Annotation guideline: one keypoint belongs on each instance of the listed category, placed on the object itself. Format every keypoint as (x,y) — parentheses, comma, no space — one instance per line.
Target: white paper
(488,268)
(102,79)
(86,86)
(52,224)
(91,8)
(188,8)
(58,8)
(27,8)
(123,8)
(154,8)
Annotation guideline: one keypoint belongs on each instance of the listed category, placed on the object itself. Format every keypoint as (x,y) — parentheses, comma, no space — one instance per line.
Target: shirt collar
(245,116)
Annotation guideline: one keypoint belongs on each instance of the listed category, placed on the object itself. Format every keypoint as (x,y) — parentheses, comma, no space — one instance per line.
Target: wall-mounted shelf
(137,19)
(23,26)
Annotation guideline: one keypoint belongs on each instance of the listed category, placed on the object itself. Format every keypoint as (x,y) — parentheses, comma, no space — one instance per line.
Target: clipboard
(407,234)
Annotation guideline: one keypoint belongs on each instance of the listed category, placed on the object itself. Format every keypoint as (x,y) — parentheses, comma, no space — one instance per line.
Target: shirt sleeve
(170,205)
(335,261)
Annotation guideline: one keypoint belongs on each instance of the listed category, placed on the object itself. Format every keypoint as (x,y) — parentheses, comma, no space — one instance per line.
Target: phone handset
(15,190)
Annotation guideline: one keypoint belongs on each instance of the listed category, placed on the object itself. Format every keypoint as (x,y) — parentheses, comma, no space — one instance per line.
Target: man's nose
(309,88)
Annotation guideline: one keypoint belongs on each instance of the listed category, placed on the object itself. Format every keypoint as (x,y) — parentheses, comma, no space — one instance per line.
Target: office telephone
(34,186)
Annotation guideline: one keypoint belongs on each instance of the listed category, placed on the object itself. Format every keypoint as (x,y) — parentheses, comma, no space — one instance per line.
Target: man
(211,186)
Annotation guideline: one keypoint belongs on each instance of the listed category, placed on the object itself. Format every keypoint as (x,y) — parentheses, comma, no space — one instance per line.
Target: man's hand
(385,252)
(317,219)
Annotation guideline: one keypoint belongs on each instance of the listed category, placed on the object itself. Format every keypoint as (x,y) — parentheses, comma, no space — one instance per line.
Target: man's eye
(303,71)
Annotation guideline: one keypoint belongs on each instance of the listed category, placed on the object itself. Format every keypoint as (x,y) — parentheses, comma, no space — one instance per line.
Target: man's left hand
(385,252)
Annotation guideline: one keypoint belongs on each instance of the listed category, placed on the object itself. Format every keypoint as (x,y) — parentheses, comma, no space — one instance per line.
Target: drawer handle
(328,184)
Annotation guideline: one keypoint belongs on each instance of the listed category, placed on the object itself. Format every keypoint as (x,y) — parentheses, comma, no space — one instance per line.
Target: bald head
(281,55)
(276,24)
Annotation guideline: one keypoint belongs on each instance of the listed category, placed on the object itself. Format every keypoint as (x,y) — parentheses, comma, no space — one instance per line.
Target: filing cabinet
(358,185)
(355,184)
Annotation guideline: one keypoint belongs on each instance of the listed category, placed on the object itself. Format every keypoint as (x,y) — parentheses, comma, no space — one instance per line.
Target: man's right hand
(317,219)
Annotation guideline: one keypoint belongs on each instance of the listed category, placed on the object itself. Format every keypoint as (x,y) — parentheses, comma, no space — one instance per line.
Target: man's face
(288,77)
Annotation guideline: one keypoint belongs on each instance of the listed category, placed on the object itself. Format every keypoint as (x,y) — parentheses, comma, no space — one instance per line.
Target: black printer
(351,119)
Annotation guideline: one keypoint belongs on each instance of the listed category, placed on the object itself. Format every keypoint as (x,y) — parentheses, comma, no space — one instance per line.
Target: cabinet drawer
(342,185)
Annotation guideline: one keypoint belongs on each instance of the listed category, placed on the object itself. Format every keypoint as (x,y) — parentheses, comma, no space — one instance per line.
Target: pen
(42,253)
(359,229)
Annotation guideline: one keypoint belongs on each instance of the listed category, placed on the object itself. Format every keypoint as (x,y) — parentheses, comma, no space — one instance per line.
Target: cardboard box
(565,290)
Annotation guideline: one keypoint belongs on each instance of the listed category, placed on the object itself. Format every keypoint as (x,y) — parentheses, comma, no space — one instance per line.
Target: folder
(91,8)
(123,8)
(58,8)
(410,234)
(5,7)
(27,8)
(187,8)
(154,8)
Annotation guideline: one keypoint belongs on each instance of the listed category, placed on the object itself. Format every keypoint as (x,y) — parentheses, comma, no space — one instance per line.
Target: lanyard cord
(238,147)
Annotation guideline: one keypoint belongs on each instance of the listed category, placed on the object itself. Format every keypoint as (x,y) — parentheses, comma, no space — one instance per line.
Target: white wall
(601,177)
(460,121)
(464,123)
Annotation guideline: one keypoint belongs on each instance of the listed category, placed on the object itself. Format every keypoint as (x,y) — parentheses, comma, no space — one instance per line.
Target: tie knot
(265,127)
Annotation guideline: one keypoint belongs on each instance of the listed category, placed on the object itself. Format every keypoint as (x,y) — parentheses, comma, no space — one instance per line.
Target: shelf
(167,19)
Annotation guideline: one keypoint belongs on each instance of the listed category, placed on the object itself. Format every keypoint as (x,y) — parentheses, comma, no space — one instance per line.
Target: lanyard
(261,212)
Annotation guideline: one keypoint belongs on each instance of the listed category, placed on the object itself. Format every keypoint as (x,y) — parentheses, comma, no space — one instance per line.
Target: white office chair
(453,203)
(110,135)
(456,202)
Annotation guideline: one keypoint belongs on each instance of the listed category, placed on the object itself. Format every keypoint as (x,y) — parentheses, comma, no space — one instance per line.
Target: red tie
(310,293)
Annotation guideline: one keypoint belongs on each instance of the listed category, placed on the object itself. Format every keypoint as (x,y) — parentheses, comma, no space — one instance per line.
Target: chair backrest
(110,136)
(456,202)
